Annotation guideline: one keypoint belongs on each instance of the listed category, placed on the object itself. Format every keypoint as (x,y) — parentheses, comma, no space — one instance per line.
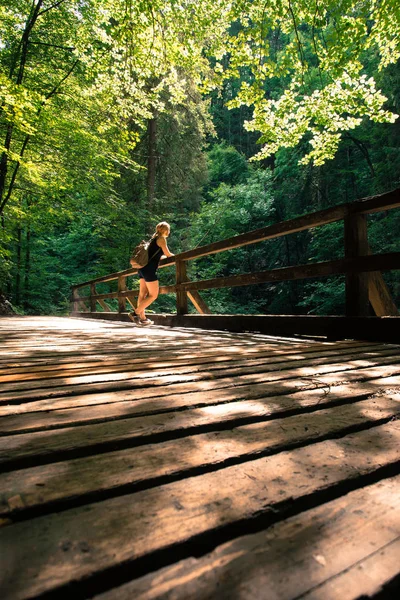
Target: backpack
(140,255)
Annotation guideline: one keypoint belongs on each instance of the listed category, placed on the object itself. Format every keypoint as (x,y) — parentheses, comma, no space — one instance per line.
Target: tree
(320,53)
(80,83)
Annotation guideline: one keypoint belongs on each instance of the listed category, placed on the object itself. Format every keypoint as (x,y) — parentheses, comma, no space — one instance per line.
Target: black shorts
(148,274)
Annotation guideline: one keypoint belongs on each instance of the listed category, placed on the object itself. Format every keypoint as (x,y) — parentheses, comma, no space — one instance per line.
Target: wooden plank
(379,296)
(83,542)
(384,329)
(78,302)
(104,332)
(111,295)
(131,302)
(44,355)
(104,306)
(106,278)
(356,245)
(89,330)
(144,340)
(181,357)
(368,578)
(125,273)
(141,340)
(191,356)
(120,295)
(121,288)
(97,344)
(235,403)
(120,469)
(124,294)
(16,360)
(198,302)
(82,305)
(207,380)
(92,299)
(379,262)
(150,398)
(184,365)
(46,443)
(373,204)
(192,372)
(295,225)
(181,296)
(346,548)
(74,300)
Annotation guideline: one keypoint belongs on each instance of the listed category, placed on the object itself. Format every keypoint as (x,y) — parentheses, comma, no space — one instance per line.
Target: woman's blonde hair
(162,227)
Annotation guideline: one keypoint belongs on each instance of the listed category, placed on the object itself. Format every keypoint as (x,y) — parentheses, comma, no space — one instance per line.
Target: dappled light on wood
(216,417)
(127,444)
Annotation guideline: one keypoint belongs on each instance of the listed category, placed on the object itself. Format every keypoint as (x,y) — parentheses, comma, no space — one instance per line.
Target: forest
(218,117)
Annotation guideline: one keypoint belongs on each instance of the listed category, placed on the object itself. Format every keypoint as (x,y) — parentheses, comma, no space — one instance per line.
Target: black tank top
(155,253)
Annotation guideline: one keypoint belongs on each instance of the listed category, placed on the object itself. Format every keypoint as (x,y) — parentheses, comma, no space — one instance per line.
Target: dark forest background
(190,166)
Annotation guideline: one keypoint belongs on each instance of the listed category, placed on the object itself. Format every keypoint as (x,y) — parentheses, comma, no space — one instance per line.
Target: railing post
(92,298)
(181,296)
(356,244)
(74,305)
(121,288)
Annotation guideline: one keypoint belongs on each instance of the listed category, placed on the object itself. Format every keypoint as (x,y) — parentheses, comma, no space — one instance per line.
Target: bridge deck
(173,463)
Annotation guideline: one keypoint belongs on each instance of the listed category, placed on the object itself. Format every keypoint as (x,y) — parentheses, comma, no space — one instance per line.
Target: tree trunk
(27,267)
(151,162)
(23,50)
(4,163)
(18,277)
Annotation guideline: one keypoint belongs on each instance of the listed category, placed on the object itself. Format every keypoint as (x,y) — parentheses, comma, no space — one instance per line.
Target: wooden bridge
(185,463)
(365,287)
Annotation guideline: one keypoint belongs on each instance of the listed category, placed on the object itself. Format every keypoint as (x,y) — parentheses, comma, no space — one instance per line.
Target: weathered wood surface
(198,302)
(157,460)
(356,245)
(181,296)
(121,288)
(125,452)
(36,369)
(193,372)
(353,265)
(305,556)
(275,383)
(379,296)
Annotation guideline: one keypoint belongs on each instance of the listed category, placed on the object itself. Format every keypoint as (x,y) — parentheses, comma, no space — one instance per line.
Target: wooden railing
(364,282)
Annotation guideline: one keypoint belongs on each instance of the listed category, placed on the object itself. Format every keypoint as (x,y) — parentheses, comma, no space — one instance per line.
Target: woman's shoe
(134,317)
(146,322)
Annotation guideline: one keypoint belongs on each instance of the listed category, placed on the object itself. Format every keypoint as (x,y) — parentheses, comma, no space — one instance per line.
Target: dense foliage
(220,117)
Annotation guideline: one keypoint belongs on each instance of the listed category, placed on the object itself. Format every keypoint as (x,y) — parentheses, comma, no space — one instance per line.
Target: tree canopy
(108,108)
(302,67)
(320,53)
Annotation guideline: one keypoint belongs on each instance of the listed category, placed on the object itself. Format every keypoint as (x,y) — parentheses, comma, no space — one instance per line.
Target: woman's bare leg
(152,294)
(143,292)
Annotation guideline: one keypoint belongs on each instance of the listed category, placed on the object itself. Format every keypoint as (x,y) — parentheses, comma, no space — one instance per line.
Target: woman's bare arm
(163,245)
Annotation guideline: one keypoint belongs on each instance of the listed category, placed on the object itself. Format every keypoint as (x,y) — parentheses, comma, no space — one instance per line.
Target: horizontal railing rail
(357,264)
(379,262)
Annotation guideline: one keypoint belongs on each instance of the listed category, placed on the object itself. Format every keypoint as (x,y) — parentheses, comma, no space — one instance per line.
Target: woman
(148,279)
